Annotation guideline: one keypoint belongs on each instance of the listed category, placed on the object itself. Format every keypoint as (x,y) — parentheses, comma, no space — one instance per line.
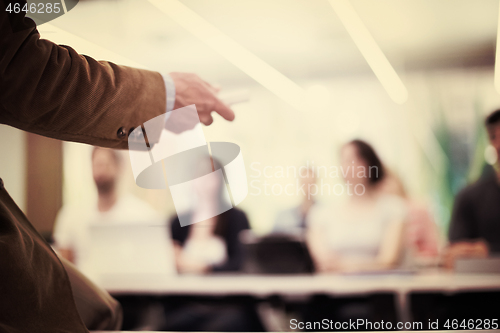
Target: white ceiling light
(239,56)
(370,51)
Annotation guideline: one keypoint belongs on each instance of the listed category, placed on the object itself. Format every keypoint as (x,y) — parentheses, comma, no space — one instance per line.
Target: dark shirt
(476,214)
(235,221)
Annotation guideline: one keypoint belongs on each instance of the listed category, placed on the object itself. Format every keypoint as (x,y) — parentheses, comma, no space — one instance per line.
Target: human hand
(189,266)
(477,249)
(327,262)
(191,89)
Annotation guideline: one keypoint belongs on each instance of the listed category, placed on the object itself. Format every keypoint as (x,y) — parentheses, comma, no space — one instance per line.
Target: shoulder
(238,218)
(475,190)
(237,213)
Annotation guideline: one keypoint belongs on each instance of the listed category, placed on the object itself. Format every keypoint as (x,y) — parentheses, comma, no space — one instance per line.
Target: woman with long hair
(366,232)
(212,244)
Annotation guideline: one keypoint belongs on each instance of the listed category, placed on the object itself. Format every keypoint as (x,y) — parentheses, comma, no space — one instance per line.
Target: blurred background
(413,78)
(443,51)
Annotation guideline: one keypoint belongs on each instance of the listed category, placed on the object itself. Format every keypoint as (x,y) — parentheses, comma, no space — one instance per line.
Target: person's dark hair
(113,153)
(222,225)
(368,154)
(493,118)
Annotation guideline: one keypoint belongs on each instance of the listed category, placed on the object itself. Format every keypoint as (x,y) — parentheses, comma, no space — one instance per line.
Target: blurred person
(293,220)
(53,91)
(212,244)
(205,246)
(365,233)
(474,232)
(73,223)
(72,226)
(475,223)
(422,235)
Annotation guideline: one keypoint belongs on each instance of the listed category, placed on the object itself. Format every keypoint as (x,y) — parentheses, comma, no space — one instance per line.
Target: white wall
(13,163)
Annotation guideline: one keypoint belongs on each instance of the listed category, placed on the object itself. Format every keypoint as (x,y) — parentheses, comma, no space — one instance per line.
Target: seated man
(71,233)
(475,224)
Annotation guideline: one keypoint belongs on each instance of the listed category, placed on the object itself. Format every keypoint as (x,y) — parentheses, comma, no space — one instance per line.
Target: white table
(304,285)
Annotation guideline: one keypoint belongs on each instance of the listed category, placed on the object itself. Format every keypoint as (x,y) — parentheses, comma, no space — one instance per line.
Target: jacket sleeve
(97,309)
(53,91)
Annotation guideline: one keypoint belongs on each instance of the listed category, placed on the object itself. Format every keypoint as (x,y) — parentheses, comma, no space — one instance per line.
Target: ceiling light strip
(370,51)
(239,56)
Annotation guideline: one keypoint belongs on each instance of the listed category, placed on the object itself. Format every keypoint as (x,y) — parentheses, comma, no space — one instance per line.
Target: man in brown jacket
(53,91)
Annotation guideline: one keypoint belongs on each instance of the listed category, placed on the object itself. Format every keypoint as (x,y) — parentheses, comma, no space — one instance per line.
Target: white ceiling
(300,38)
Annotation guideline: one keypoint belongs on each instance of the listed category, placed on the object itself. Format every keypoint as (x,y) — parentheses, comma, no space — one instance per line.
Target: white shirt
(73,223)
(211,251)
(359,237)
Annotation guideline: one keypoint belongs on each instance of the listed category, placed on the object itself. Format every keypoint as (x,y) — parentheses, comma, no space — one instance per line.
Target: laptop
(276,254)
(478,265)
(130,252)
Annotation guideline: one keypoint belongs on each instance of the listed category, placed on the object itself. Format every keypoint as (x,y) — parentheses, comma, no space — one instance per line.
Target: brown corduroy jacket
(53,91)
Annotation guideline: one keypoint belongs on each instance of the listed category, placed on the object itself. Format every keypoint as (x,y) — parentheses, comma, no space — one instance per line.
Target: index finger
(223,110)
